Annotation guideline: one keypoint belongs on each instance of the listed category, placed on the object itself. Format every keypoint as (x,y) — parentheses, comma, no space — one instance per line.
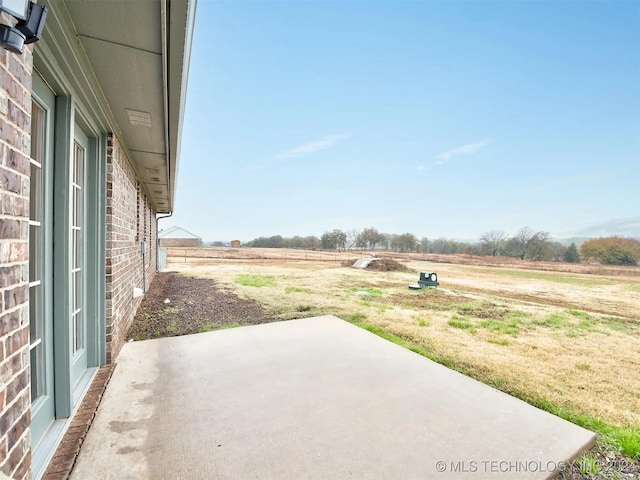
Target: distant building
(235,243)
(178,237)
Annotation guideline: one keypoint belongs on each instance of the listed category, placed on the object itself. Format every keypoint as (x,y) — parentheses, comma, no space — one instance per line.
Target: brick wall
(130,220)
(15,125)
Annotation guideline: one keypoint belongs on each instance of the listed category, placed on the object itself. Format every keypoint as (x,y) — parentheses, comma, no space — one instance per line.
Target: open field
(572,339)
(251,255)
(568,341)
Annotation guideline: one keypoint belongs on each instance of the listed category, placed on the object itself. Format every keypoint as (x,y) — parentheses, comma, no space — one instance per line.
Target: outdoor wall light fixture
(28,29)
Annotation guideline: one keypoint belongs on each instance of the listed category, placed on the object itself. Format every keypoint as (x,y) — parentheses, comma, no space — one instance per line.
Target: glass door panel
(77,260)
(40,261)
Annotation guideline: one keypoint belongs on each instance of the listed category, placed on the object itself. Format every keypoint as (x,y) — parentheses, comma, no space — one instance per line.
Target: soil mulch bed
(195,305)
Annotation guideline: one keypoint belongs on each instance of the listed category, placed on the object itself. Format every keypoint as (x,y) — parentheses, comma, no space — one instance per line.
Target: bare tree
(493,241)
(521,241)
(352,238)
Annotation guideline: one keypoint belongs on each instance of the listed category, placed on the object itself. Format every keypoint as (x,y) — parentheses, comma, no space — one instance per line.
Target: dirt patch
(194,305)
(617,296)
(382,265)
(388,265)
(443,301)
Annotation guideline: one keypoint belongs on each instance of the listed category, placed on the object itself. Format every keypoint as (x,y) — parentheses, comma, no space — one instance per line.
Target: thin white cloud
(575,180)
(313,146)
(463,150)
(626,227)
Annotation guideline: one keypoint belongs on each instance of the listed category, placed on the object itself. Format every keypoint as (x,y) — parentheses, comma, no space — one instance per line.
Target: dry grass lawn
(572,339)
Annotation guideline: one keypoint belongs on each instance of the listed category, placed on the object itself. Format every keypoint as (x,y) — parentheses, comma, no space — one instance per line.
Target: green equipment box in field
(427,279)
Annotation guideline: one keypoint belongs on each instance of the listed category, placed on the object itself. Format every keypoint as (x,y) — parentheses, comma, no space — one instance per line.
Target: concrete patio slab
(316,398)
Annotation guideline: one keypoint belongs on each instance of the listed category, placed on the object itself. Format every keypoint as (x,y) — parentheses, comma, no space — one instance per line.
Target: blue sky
(439,118)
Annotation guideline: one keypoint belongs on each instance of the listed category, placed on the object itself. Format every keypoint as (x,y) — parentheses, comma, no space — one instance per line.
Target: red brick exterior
(130,220)
(15,127)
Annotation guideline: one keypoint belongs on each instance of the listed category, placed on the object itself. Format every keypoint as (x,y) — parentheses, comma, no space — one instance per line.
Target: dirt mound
(388,265)
(381,265)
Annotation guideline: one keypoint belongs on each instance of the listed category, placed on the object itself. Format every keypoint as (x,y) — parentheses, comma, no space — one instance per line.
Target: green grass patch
(458,322)
(550,277)
(256,280)
(629,441)
(469,308)
(409,345)
(554,321)
(620,324)
(621,439)
(587,324)
(210,327)
(573,323)
(588,465)
(579,314)
(517,317)
(355,317)
(509,327)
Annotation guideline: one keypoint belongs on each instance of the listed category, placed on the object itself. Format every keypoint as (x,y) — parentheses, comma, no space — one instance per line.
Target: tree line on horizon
(525,244)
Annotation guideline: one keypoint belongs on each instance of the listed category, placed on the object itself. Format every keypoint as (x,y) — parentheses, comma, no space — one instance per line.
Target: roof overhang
(136,55)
